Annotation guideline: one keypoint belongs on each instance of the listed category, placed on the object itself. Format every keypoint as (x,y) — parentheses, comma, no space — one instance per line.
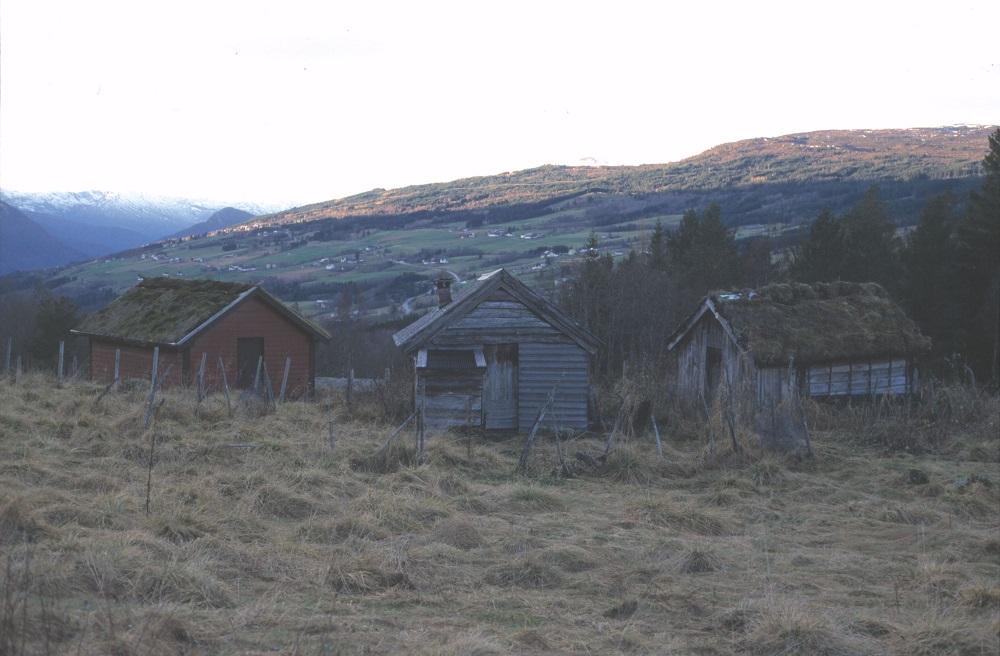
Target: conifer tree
(821,257)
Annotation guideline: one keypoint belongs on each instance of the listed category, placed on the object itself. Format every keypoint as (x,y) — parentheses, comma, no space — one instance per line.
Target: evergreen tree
(702,255)
(52,324)
(977,270)
(658,248)
(870,245)
(821,257)
(928,260)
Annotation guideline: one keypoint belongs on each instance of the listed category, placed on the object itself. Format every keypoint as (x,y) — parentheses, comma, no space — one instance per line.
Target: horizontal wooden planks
(543,366)
(860,378)
(450,396)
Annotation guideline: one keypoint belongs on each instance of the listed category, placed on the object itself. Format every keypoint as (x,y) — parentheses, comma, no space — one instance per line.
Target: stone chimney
(443,284)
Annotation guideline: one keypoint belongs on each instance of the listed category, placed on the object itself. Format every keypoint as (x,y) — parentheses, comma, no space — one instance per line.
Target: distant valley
(387,244)
(84,225)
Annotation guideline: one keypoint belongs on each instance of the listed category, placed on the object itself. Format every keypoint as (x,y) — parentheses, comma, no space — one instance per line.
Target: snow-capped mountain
(150,216)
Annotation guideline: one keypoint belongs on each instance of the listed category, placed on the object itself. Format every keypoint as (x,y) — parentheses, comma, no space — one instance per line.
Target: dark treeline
(634,304)
(945,272)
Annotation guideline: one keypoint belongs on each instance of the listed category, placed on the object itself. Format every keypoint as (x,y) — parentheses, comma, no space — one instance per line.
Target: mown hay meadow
(261,539)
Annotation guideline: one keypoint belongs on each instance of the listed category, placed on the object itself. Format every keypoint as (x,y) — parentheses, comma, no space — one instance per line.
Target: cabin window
(441,359)
(249,351)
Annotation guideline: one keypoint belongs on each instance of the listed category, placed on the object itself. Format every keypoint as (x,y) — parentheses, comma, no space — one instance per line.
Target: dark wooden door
(249,350)
(500,387)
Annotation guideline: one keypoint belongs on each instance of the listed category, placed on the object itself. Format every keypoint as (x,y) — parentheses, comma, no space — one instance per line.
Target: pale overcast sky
(294,102)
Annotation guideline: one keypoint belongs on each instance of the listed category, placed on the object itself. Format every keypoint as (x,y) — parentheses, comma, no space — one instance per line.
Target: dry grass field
(888,542)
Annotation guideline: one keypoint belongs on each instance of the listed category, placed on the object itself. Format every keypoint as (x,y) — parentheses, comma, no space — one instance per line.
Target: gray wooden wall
(546,358)
(448,395)
(860,378)
(543,366)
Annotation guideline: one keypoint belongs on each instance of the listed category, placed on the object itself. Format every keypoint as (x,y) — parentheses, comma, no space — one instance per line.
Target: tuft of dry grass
(283,545)
(786,626)
(666,513)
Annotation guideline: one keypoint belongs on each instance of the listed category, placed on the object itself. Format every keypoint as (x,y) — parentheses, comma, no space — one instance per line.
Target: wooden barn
(230,323)
(492,356)
(825,340)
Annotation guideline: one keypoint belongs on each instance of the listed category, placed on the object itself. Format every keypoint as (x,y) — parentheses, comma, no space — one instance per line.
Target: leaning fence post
(62,352)
(284,378)
(269,388)
(118,361)
(201,376)
(656,432)
(256,378)
(225,386)
(156,364)
(10,349)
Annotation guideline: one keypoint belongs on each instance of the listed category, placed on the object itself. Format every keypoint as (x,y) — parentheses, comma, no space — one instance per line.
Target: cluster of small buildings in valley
(498,352)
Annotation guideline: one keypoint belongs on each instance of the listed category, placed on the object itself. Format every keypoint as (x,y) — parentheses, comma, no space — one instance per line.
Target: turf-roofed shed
(231,326)
(493,355)
(835,339)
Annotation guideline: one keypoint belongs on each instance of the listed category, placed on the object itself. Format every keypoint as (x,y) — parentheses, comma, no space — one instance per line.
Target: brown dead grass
(288,547)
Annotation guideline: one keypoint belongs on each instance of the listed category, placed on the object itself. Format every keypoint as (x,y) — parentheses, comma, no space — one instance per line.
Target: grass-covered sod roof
(162,310)
(819,323)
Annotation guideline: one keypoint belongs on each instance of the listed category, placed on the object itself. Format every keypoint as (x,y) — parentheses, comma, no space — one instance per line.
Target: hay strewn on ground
(283,547)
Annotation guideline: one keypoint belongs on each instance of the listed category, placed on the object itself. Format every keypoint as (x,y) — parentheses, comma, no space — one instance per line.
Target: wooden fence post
(423,428)
(269,389)
(6,362)
(350,392)
(256,378)
(284,378)
(62,353)
(225,387)
(468,427)
(656,432)
(17,371)
(201,376)
(118,362)
(156,364)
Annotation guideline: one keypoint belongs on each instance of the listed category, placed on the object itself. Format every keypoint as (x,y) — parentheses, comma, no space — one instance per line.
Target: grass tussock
(792,627)
(261,536)
(666,513)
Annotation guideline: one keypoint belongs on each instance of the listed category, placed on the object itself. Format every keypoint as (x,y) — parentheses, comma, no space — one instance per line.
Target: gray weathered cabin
(492,356)
(825,340)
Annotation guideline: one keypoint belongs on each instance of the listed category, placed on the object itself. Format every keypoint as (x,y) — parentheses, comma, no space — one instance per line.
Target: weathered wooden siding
(450,395)
(895,376)
(543,366)
(497,320)
(692,358)
(543,357)
(861,378)
(500,387)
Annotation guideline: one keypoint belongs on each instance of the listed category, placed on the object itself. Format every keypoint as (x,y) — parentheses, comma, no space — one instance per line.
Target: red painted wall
(252,318)
(136,362)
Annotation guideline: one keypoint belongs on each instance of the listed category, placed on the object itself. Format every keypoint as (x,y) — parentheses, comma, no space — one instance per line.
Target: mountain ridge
(941,153)
(25,245)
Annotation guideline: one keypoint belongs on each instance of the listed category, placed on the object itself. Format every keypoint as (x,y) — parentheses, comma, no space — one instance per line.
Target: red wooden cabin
(232,323)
